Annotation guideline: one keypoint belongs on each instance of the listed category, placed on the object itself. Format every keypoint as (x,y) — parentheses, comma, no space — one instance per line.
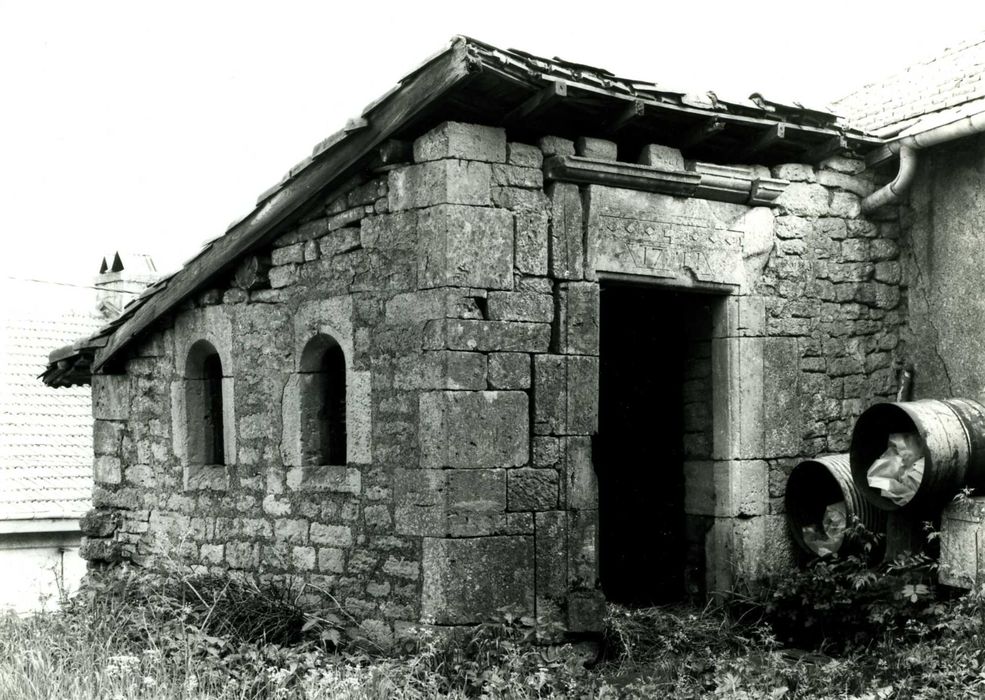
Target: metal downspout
(907,147)
(891,193)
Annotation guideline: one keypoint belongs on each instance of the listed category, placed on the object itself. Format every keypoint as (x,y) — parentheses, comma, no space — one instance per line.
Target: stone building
(523,333)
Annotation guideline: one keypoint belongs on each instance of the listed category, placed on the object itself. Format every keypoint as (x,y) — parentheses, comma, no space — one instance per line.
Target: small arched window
(203,405)
(323,391)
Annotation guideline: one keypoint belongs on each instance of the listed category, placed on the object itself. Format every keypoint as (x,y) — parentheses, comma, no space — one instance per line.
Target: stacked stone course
(465,292)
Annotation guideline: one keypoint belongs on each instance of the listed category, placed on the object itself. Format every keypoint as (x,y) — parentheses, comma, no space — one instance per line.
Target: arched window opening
(323,393)
(203,405)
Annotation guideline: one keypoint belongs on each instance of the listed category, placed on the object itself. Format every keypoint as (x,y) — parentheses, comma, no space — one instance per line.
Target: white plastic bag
(827,537)
(899,470)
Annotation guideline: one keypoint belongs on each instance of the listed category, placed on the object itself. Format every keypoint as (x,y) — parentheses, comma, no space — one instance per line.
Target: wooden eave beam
(538,103)
(632,112)
(701,133)
(826,149)
(655,107)
(766,139)
(415,95)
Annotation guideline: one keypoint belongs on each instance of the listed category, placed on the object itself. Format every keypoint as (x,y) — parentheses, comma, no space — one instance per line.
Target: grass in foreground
(138,635)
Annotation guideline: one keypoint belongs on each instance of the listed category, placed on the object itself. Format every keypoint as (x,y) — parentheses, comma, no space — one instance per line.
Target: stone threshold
(724,183)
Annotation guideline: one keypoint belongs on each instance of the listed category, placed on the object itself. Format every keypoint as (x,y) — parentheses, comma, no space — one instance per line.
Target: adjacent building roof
(528,95)
(933,88)
(45,433)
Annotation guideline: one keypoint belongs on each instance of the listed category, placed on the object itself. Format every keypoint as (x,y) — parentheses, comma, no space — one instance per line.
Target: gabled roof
(45,433)
(528,95)
(931,88)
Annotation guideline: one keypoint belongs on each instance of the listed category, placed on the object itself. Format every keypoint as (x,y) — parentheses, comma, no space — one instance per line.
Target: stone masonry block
(551,556)
(419,498)
(533,489)
(332,535)
(242,555)
(583,568)
(324,479)
(794,172)
(465,141)
(107,437)
(444,369)
(737,398)
(509,370)
(581,485)
(566,253)
(440,182)
(662,157)
(331,560)
(739,316)
(586,612)
(107,470)
(462,246)
(524,155)
(110,396)
(556,146)
(530,241)
(582,395)
(488,336)
(735,552)
(292,530)
(476,490)
(481,429)
(546,451)
(726,489)
(516,176)
(782,398)
(600,149)
(804,199)
(549,394)
(303,558)
(468,580)
(962,562)
(462,370)
(579,318)
(521,306)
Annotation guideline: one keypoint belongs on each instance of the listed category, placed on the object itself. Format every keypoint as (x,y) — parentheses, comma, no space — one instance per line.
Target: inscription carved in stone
(669,248)
(643,233)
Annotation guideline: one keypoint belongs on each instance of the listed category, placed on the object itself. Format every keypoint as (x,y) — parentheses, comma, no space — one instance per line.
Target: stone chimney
(121,280)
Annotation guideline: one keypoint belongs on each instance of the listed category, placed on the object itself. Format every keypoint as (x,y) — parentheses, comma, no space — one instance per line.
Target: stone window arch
(323,389)
(326,408)
(204,406)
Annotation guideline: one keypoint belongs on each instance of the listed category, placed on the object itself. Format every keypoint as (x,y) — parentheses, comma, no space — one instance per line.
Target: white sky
(149,127)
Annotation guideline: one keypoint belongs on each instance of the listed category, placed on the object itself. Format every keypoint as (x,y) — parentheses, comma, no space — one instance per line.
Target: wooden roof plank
(538,103)
(438,77)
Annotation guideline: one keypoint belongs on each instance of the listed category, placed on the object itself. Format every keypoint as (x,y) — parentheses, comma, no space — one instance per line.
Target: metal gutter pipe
(907,146)
(891,193)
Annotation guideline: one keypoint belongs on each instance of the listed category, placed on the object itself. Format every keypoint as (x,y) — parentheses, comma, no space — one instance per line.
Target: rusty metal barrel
(813,486)
(951,433)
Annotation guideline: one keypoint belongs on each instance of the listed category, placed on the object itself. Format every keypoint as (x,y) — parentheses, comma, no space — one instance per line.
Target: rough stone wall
(944,235)
(833,310)
(432,277)
(465,295)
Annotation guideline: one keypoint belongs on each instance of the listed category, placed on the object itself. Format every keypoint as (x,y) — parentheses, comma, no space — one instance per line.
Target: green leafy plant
(841,601)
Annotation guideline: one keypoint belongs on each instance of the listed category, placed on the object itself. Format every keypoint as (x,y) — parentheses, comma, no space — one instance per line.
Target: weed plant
(866,632)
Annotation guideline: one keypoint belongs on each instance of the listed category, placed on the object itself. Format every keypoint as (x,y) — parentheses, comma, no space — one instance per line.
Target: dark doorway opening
(654,413)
